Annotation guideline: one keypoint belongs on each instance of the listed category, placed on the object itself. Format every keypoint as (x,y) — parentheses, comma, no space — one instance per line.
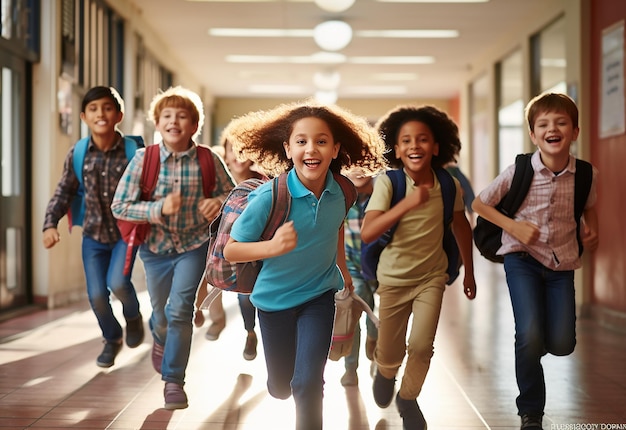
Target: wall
(608,155)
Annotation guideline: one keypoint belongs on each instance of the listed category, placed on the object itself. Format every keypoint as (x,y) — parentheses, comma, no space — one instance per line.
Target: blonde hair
(178,97)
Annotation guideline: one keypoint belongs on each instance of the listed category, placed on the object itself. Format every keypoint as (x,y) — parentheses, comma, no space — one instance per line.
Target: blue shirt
(311,268)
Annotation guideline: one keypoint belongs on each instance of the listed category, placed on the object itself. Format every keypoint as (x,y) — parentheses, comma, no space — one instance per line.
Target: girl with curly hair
(412,267)
(304,263)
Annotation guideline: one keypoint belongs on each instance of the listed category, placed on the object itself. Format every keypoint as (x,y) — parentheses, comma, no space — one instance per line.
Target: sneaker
(216,327)
(531,422)
(370,347)
(157,356)
(134,332)
(175,397)
(412,418)
(350,378)
(383,390)
(110,351)
(249,352)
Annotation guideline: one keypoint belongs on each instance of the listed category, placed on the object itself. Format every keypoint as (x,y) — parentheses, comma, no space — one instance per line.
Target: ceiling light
(327,80)
(332,35)
(392,60)
(317,58)
(326,97)
(409,34)
(334,5)
(259,32)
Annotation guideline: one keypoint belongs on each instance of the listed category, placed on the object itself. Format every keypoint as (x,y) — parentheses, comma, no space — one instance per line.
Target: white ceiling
(183,25)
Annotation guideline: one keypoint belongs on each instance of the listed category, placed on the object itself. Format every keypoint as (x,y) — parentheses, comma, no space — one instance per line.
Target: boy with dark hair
(540,248)
(103,250)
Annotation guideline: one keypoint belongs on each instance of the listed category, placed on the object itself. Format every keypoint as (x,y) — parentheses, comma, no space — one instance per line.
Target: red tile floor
(49,379)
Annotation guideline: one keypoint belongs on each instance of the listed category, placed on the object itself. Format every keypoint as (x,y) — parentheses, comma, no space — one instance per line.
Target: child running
(304,263)
(541,248)
(174,254)
(103,250)
(412,268)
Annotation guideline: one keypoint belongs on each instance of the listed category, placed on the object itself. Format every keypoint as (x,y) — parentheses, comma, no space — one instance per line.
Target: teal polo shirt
(311,268)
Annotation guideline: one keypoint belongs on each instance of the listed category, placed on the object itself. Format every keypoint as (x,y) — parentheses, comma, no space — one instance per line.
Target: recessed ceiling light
(303,32)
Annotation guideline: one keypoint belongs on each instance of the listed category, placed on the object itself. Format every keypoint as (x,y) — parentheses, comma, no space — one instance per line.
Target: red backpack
(135,233)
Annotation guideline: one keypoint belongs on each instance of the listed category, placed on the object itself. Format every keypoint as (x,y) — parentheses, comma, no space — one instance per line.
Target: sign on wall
(612,115)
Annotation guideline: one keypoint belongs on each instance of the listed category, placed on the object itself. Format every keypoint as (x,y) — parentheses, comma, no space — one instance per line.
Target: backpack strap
(448,193)
(582,186)
(398,192)
(150,171)
(347,187)
(522,178)
(78,160)
(281,205)
(207,169)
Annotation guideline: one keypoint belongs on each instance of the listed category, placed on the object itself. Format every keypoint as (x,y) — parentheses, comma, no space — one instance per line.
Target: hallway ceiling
(183,26)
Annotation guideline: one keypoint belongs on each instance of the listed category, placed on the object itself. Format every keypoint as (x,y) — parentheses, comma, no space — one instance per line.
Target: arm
(375,223)
(285,239)
(463,235)
(524,231)
(210,207)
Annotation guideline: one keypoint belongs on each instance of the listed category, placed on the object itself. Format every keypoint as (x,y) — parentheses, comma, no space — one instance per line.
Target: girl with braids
(304,263)
(412,268)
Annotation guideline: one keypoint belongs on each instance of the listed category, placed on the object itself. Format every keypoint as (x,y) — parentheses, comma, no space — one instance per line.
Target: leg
(218,319)
(96,261)
(124,290)
(314,334)
(248,312)
(560,313)
(198,316)
(525,279)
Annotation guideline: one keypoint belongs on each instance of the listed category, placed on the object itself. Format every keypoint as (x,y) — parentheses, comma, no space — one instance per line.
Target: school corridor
(49,378)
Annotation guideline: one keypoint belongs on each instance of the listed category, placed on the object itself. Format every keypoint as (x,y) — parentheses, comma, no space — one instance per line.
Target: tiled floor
(48,376)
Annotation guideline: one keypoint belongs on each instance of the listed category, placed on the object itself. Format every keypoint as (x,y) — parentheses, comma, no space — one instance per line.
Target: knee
(279,392)
(562,347)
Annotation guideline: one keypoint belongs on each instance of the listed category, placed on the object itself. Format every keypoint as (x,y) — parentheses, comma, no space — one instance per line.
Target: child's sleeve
(497,189)
(381,195)
(249,226)
(64,192)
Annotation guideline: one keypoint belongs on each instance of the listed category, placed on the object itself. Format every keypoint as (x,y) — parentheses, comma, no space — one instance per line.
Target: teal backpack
(76,214)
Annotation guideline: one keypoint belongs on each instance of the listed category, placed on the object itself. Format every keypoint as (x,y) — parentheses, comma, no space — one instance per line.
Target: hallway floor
(49,379)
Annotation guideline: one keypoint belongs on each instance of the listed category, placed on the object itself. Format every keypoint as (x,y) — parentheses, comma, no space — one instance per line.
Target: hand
(50,237)
(469,287)
(526,232)
(285,239)
(589,237)
(172,203)
(210,208)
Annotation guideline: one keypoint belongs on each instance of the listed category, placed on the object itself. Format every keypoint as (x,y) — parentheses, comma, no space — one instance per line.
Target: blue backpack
(76,214)
(370,252)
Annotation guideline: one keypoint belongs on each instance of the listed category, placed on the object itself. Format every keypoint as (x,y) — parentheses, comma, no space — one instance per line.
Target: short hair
(550,102)
(178,97)
(100,92)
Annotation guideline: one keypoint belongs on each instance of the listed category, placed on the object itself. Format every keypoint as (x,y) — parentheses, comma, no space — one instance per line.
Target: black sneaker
(110,351)
(383,390)
(412,417)
(531,422)
(134,332)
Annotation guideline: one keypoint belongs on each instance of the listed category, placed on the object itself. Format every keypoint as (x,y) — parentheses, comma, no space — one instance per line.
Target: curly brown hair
(259,136)
(445,132)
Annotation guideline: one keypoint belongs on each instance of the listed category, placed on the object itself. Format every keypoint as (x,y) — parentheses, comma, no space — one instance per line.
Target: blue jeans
(172,281)
(544,309)
(248,311)
(365,290)
(296,342)
(104,273)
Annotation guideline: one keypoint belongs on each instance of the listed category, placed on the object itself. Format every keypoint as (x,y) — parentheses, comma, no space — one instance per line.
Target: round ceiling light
(332,35)
(327,80)
(334,5)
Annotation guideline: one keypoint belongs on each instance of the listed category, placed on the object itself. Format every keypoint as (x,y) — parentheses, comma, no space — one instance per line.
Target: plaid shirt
(101,173)
(180,172)
(352,231)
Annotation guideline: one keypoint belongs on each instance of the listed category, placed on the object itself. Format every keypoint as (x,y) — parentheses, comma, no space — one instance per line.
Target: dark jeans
(248,311)
(296,342)
(545,322)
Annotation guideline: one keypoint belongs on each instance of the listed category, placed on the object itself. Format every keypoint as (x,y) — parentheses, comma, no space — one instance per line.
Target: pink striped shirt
(549,205)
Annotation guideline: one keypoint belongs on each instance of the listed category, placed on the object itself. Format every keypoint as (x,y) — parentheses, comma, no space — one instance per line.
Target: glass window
(510,109)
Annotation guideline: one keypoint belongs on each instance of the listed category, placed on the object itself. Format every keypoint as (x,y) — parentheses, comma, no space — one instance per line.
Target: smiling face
(415,147)
(101,116)
(177,126)
(553,133)
(312,148)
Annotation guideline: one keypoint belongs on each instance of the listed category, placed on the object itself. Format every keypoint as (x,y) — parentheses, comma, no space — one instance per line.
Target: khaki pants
(397,304)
